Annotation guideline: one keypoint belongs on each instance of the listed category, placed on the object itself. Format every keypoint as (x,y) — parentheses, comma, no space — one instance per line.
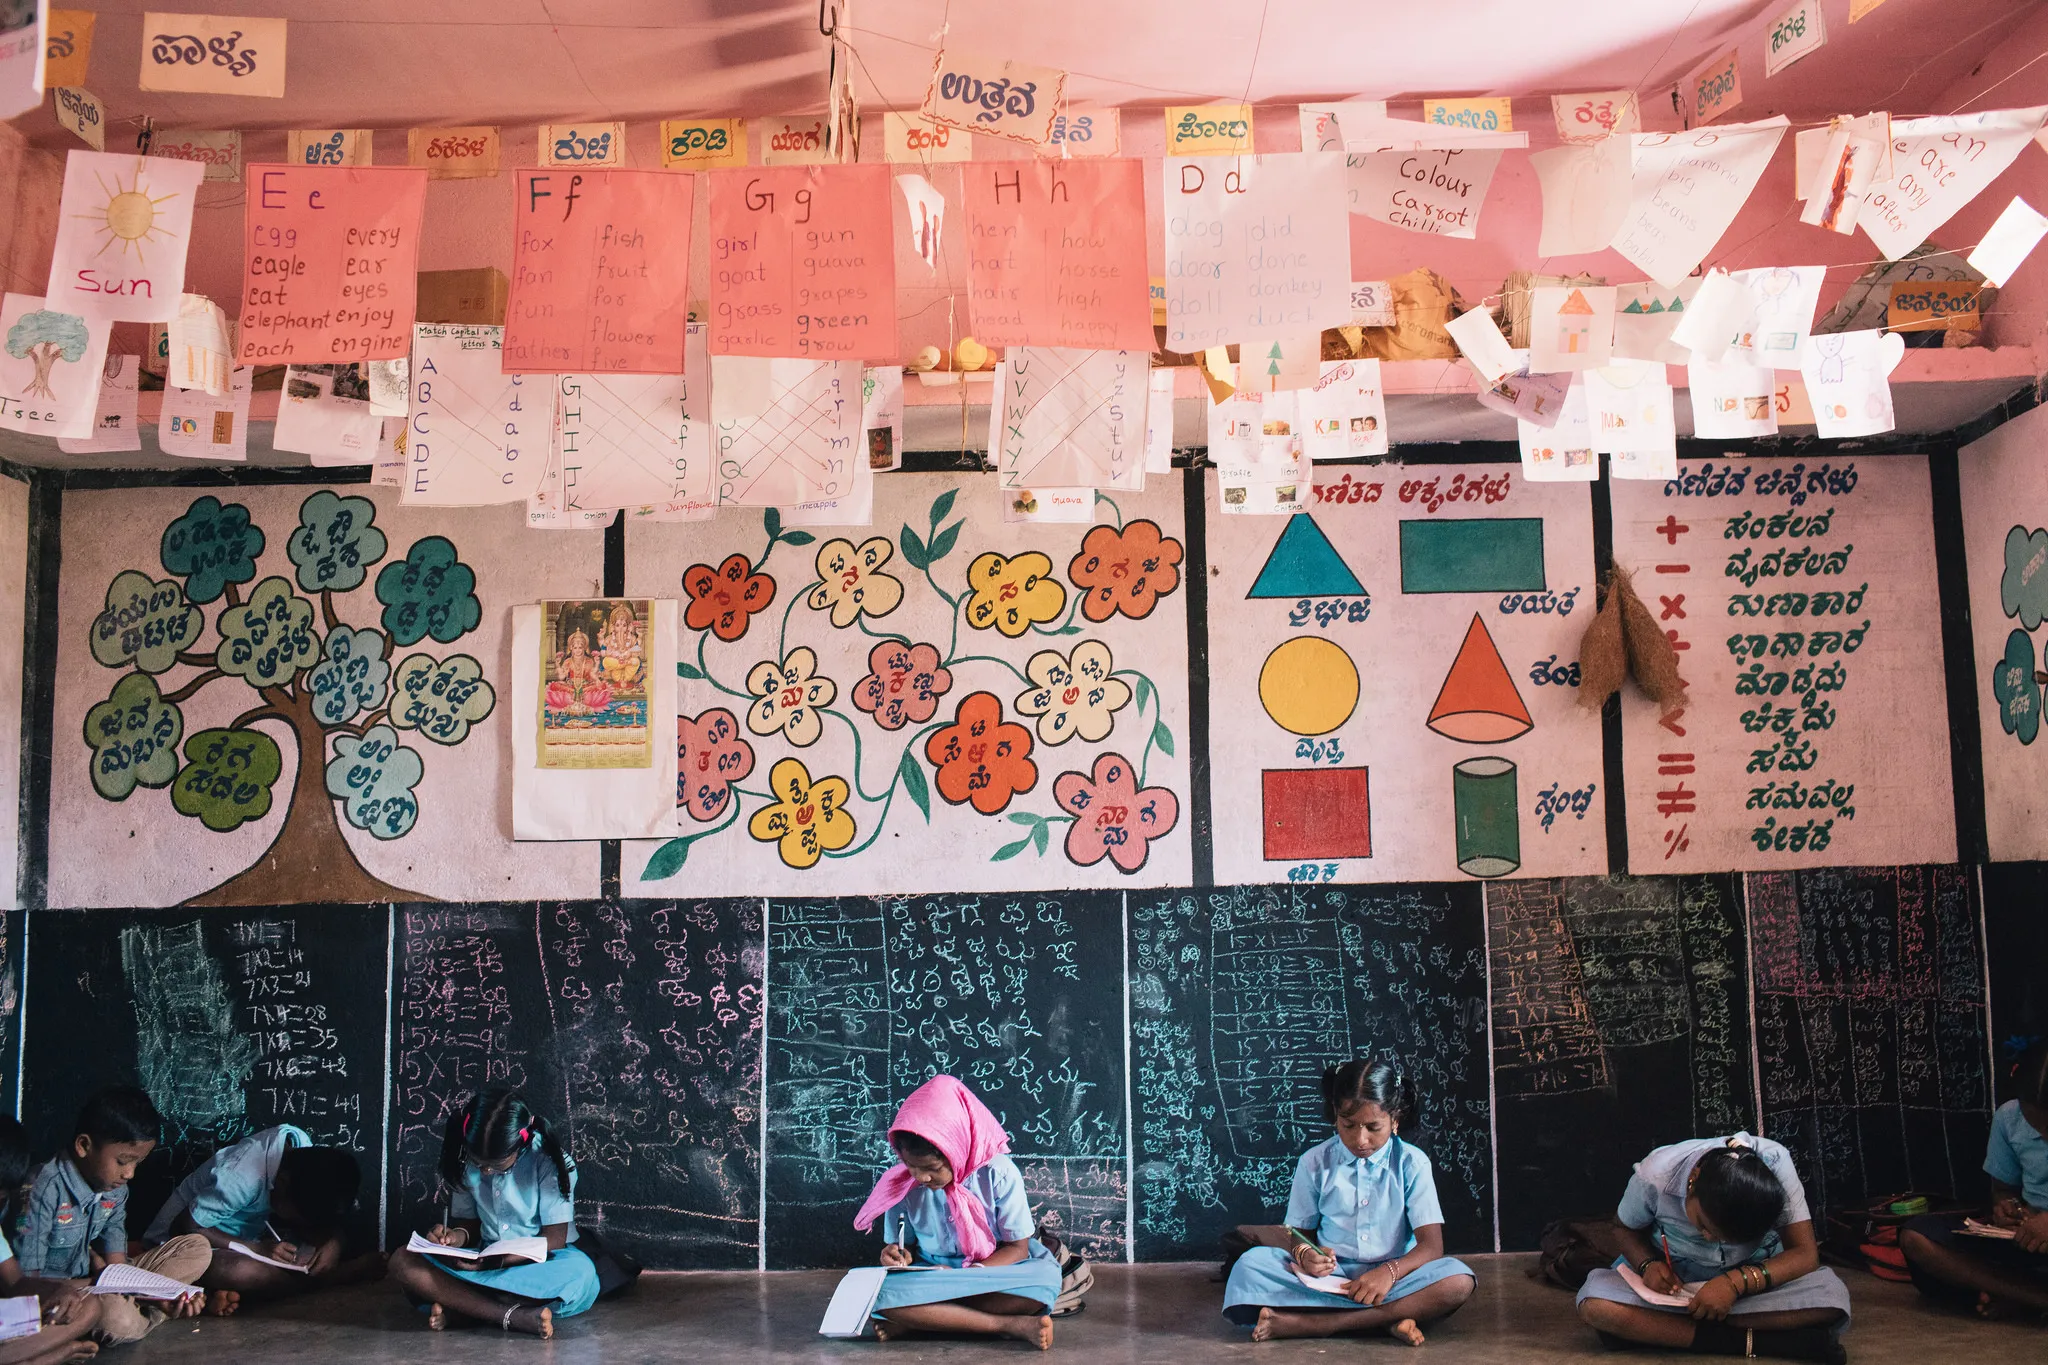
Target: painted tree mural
(327,686)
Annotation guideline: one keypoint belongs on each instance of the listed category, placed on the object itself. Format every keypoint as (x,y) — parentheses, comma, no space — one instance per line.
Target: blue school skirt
(1263,1278)
(1822,1289)
(1037,1277)
(566,1278)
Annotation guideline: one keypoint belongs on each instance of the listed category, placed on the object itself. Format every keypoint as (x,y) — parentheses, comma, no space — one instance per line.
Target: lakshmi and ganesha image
(598,657)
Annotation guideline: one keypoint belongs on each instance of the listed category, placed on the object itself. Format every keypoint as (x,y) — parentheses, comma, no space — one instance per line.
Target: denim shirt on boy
(65,1217)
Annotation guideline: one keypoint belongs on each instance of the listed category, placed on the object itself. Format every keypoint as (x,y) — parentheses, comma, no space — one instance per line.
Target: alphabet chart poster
(1394,681)
(803,263)
(600,271)
(1070,419)
(1800,596)
(475,434)
(1056,254)
(942,702)
(122,229)
(332,255)
(1256,246)
(788,431)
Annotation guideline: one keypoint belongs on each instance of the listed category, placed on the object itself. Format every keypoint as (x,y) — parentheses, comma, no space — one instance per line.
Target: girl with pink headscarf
(955,1202)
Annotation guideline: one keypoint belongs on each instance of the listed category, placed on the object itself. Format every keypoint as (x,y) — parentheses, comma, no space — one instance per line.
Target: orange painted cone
(1479,703)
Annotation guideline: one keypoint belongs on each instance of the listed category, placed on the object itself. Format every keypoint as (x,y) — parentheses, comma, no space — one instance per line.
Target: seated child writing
(79,1201)
(2001,1278)
(1364,1210)
(275,1193)
(957,1202)
(68,1312)
(508,1177)
(1731,1215)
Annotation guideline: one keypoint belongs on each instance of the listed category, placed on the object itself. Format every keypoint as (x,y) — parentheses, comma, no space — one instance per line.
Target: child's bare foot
(886,1330)
(221,1303)
(1406,1330)
(535,1322)
(437,1318)
(1994,1309)
(1278,1325)
(83,1350)
(1033,1331)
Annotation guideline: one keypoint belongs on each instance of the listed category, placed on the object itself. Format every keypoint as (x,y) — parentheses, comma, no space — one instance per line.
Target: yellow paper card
(68,48)
(213,54)
(1489,115)
(1208,129)
(1934,306)
(913,138)
(454,153)
(1715,88)
(703,144)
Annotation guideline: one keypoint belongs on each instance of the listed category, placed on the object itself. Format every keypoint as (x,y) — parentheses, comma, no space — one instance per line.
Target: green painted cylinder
(1489,826)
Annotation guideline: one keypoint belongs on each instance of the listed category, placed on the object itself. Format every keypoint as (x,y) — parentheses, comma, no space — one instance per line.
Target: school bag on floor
(1077,1277)
(1868,1238)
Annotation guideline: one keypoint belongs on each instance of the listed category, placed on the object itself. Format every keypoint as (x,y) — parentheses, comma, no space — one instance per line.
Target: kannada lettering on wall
(1801,599)
(966,704)
(1404,707)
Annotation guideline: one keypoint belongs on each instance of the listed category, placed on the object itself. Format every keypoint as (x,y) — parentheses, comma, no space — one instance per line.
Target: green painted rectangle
(1478,554)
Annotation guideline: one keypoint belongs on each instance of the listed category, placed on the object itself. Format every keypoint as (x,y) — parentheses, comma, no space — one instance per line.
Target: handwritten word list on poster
(1256,246)
(1056,254)
(1800,596)
(600,270)
(803,263)
(332,255)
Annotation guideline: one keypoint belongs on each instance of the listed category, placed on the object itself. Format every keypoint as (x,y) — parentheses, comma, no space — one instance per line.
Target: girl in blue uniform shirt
(1729,1215)
(508,1177)
(1364,1211)
(956,1202)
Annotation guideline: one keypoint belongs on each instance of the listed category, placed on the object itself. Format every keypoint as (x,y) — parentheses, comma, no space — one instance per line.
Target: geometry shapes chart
(788,430)
(1304,564)
(1315,814)
(1489,833)
(1477,554)
(1478,703)
(1309,686)
(476,435)
(1070,419)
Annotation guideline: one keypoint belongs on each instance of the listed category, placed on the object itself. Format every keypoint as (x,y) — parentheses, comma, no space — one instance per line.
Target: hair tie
(465,1125)
(525,1136)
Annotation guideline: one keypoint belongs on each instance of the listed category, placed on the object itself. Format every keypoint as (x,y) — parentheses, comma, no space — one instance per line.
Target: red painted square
(1317,813)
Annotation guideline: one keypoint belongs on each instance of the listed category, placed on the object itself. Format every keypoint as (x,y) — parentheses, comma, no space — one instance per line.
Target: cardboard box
(473,298)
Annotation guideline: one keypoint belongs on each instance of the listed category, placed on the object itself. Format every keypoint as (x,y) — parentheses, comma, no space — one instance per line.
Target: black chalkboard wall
(2016,947)
(1154,1054)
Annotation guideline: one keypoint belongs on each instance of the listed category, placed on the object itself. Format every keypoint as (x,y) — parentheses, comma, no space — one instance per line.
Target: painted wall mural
(945,701)
(287,693)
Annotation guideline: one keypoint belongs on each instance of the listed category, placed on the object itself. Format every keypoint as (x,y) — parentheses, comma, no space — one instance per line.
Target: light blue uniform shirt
(999,1186)
(518,1203)
(1655,1199)
(231,1191)
(2017,1155)
(1364,1209)
(65,1217)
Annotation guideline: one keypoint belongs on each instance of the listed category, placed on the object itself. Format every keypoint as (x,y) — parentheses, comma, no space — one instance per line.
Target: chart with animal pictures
(941,701)
(1393,681)
(1800,596)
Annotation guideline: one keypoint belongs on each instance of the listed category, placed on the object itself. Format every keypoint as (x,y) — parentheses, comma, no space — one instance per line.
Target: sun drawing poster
(594,684)
(122,230)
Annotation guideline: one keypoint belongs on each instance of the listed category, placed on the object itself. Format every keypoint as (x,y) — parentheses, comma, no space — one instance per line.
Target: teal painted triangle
(1305,564)
(1655,307)
(1634,306)
(1677,306)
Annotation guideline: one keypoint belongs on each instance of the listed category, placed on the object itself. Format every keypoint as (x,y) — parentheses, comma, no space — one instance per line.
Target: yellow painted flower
(852,581)
(1011,594)
(808,820)
(1074,695)
(789,697)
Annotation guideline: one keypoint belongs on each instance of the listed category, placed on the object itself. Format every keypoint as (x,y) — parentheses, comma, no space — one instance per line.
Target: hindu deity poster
(594,683)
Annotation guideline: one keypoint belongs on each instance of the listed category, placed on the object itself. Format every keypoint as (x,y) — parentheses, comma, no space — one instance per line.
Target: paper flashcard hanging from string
(1952,159)
(1069,419)
(1686,188)
(1847,166)
(788,431)
(703,144)
(324,411)
(927,208)
(1534,398)
(803,263)
(1260,246)
(998,98)
(1779,314)
(196,347)
(915,140)
(881,415)
(1599,114)
(2016,233)
(1159,422)
(1585,193)
(1644,316)
(1480,342)
(1733,400)
(213,54)
(67,47)
(600,268)
(476,435)
(21,59)
(627,441)
(1629,404)
(198,425)
(1209,130)
(582,144)
(1344,414)
(469,153)
(1848,381)
(50,365)
(122,230)
(1260,465)
(1087,132)
(1056,254)
(1563,451)
(332,254)
(114,423)
(1280,364)
(329,147)
(1571,327)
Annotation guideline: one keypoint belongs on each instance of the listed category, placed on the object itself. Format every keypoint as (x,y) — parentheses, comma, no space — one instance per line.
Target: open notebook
(142,1284)
(519,1248)
(20,1317)
(1682,1299)
(853,1302)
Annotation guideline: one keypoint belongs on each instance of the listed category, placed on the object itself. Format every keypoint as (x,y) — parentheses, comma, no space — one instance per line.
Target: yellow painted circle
(1309,686)
(130,215)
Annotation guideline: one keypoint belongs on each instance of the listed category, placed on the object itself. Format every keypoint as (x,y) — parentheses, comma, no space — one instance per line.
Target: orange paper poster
(803,264)
(1056,254)
(332,252)
(600,271)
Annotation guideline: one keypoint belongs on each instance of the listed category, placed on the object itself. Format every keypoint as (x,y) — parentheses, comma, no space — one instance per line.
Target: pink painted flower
(710,757)
(1113,816)
(903,685)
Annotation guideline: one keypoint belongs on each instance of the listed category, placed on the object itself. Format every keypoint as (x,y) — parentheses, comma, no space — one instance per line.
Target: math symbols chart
(803,263)
(600,271)
(787,431)
(1800,596)
(1056,254)
(1394,681)
(332,255)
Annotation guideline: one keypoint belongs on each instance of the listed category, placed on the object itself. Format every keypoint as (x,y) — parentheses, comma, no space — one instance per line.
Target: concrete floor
(1137,1315)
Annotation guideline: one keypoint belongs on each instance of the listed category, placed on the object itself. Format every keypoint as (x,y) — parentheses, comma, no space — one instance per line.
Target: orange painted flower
(981,758)
(724,600)
(1126,570)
